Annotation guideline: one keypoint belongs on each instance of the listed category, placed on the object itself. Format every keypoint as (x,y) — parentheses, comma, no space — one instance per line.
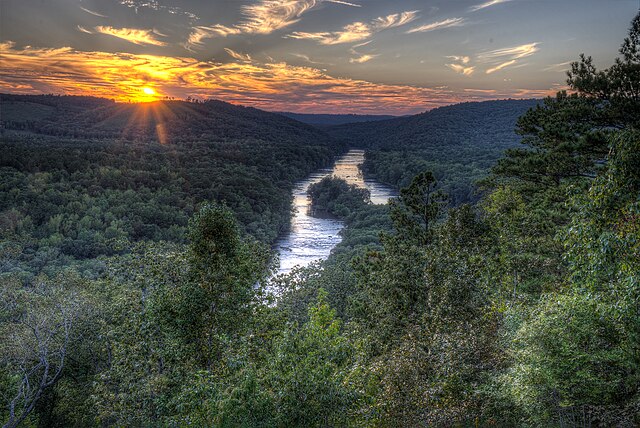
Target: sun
(149,91)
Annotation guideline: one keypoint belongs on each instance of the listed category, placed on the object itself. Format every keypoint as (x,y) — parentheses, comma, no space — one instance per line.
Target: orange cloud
(272,86)
(501,66)
(458,68)
(362,59)
(139,37)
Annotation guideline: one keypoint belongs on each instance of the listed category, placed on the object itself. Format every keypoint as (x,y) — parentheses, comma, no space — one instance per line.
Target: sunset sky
(323,56)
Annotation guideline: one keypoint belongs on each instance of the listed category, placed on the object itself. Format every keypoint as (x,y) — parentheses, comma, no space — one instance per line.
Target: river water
(312,238)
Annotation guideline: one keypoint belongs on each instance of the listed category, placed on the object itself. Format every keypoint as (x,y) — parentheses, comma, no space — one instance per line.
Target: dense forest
(77,195)
(458,143)
(334,119)
(136,268)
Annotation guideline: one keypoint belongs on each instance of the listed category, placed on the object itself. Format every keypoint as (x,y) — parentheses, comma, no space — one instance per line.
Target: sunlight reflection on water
(312,238)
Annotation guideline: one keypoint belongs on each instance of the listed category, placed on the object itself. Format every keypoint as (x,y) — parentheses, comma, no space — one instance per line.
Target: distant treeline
(334,119)
(459,143)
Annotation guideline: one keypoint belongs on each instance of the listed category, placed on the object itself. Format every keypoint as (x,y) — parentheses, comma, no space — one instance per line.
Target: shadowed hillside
(81,175)
(488,122)
(72,116)
(459,143)
(335,119)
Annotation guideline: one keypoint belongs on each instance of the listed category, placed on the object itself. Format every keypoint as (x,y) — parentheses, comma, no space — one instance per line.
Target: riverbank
(313,237)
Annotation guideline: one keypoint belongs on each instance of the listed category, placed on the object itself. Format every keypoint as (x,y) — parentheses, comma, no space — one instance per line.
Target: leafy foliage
(458,143)
(521,310)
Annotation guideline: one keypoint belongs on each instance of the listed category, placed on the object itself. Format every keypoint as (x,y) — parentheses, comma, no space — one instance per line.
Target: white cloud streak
(84,30)
(561,67)
(358,31)
(487,4)
(344,3)
(239,56)
(263,17)
(93,12)
(501,66)
(502,58)
(447,23)
(132,35)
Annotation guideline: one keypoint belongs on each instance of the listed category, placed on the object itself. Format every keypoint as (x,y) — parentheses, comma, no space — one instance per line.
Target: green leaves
(418,207)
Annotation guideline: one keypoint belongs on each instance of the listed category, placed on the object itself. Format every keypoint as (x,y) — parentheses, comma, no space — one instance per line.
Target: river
(312,238)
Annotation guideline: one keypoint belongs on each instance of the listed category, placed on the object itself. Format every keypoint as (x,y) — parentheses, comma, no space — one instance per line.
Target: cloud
(132,35)
(200,33)
(561,67)
(358,31)
(447,23)
(263,17)
(362,59)
(467,71)
(361,44)
(306,58)
(92,12)
(461,65)
(462,59)
(501,66)
(155,5)
(487,4)
(343,2)
(275,86)
(516,52)
(84,30)
(502,58)
(266,16)
(239,56)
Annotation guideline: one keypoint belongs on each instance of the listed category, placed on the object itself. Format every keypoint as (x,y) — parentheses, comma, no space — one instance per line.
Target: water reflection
(312,238)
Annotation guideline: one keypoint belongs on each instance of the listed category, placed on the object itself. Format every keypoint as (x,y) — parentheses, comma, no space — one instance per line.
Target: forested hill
(459,143)
(488,122)
(335,119)
(81,175)
(91,117)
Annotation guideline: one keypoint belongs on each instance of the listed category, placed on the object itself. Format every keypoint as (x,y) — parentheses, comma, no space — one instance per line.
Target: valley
(196,262)
(313,235)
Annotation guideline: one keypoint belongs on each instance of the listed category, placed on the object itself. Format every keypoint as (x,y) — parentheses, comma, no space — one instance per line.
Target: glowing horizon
(320,56)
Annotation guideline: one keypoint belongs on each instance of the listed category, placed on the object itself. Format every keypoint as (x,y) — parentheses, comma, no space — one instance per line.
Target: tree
(418,207)
(38,328)
(576,353)
(226,269)
(567,136)
(567,141)
(302,381)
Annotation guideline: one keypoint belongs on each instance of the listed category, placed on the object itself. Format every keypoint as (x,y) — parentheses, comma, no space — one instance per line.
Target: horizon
(194,100)
(306,56)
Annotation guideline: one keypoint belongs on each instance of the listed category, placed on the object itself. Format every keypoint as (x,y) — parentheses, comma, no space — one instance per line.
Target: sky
(311,56)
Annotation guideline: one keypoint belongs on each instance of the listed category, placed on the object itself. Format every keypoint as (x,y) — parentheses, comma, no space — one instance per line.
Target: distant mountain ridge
(335,119)
(453,124)
(458,143)
(140,170)
(92,117)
